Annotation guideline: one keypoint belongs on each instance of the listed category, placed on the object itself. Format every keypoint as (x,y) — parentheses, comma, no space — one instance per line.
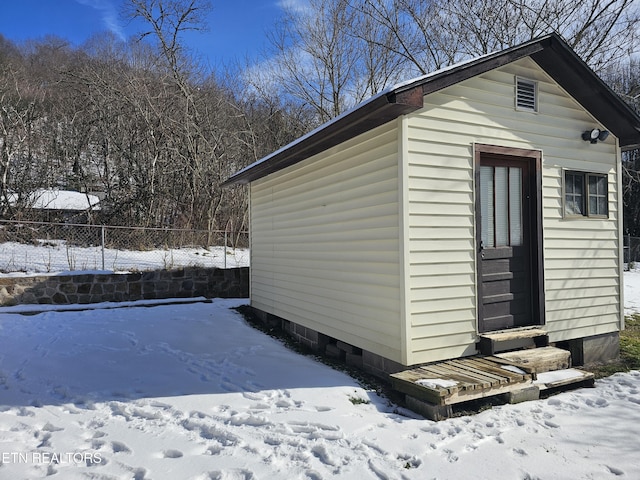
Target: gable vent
(526,95)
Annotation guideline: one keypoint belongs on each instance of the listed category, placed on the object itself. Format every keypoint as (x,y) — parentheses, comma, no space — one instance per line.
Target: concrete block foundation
(597,349)
(331,347)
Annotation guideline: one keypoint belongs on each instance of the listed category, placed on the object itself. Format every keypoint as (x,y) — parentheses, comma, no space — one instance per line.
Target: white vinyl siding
(581,256)
(373,242)
(325,243)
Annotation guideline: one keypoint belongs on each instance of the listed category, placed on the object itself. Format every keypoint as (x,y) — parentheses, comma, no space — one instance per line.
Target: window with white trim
(586,194)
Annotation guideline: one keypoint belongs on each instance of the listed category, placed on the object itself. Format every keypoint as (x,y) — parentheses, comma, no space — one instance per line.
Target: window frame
(586,194)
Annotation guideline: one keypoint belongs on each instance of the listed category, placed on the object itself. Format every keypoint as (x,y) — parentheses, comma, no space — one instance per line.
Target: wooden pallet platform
(460,380)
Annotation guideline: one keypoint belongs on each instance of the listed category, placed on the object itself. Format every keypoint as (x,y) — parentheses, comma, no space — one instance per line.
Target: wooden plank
(495,367)
(465,396)
(497,377)
(501,361)
(417,391)
(543,359)
(483,378)
(442,391)
(412,376)
(468,381)
(442,372)
(576,376)
(515,334)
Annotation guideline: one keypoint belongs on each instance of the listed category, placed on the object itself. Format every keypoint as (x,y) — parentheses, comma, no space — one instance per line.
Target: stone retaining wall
(118,287)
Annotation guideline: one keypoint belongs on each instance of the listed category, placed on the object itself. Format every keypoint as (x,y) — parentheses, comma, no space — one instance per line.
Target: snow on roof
(55,199)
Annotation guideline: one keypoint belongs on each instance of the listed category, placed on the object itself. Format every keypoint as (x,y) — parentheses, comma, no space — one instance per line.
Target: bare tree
(316,58)
(334,53)
(624,79)
(20,113)
(601,33)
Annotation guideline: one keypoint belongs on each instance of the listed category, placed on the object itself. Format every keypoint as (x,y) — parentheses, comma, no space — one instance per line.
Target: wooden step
(562,378)
(536,360)
(512,339)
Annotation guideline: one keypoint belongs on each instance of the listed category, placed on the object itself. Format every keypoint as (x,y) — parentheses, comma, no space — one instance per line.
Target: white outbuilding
(484,197)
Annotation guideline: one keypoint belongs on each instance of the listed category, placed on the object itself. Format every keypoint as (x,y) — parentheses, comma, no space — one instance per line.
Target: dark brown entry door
(505,251)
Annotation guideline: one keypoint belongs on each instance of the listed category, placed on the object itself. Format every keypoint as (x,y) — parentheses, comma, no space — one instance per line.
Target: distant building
(55,205)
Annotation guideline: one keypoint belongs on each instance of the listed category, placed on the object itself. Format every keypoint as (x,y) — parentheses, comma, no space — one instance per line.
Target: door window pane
(486,206)
(515,206)
(502,206)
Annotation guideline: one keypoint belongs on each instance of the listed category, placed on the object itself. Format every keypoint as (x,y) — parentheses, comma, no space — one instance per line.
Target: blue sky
(236,27)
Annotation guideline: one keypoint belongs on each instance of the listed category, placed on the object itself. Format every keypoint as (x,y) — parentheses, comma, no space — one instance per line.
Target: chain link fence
(631,252)
(35,247)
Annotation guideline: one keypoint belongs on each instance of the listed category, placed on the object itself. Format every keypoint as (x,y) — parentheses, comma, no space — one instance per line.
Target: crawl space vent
(526,95)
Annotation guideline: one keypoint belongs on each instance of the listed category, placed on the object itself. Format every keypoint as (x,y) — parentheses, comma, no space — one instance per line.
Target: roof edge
(374,112)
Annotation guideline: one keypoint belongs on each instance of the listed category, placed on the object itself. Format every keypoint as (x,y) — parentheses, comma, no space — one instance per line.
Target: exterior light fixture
(594,135)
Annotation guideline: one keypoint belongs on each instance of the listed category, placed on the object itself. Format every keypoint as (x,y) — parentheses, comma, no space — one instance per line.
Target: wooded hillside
(151,131)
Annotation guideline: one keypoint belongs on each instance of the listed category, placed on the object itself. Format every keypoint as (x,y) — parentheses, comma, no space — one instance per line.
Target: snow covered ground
(192,392)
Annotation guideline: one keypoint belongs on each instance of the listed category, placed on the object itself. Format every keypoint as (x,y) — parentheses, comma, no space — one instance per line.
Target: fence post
(225,249)
(102,244)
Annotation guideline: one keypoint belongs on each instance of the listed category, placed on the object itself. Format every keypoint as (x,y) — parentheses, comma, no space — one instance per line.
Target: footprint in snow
(409,462)
(171,453)
(51,428)
(198,414)
(146,415)
(238,474)
(25,412)
(97,444)
(450,455)
(139,473)
(598,403)
(614,470)
(119,447)
(213,450)
(44,440)
(211,432)
(321,453)
(312,475)
(248,419)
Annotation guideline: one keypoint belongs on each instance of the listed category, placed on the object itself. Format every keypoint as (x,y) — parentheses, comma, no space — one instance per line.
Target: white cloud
(109,15)
(293,5)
